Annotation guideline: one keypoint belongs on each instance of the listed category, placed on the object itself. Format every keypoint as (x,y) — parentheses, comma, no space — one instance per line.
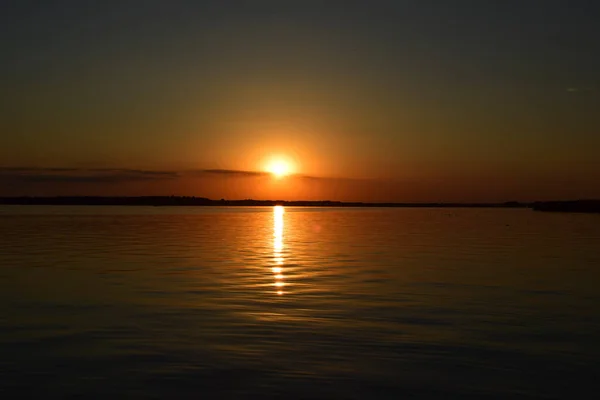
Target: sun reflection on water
(278,212)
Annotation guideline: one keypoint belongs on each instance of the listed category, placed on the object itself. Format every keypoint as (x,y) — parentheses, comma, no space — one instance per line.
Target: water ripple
(298,303)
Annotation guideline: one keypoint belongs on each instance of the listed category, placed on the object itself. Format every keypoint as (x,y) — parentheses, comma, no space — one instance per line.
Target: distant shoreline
(572,206)
(158,201)
(580,206)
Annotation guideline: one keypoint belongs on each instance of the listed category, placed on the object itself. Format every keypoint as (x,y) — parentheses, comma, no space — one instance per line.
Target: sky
(405,100)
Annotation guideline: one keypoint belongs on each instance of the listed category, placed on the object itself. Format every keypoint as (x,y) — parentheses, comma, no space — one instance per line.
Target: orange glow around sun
(279,167)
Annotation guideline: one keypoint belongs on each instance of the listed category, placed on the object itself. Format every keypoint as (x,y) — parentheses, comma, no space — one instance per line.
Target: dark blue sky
(394,90)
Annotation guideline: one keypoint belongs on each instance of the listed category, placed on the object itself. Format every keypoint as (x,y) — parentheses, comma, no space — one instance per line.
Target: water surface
(299,303)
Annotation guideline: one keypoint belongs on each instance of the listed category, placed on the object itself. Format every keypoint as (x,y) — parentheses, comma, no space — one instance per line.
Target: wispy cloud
(329,178)
(243,173)
(231,172)
(80,175)
(16,175)
(579,89)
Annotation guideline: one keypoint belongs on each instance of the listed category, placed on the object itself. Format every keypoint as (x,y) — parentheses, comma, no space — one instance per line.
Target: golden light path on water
(277,269)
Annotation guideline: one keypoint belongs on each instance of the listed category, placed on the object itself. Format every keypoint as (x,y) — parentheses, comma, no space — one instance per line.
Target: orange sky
(398,101)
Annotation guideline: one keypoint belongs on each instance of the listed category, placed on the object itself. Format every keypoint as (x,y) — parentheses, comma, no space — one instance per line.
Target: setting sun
(279,167)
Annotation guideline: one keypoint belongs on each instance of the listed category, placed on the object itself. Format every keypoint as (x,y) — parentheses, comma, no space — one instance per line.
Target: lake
(203,302)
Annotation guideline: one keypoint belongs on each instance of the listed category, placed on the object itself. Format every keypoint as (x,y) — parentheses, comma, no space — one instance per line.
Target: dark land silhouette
(202,201)
(580,206)
(583,206)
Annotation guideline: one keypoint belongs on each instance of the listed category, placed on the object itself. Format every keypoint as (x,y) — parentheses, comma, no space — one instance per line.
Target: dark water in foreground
(301,303)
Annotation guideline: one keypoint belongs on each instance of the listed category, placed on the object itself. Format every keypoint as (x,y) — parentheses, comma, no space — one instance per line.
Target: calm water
(298,303)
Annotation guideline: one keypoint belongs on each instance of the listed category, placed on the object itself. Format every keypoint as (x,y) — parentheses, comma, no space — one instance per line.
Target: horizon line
(207,199)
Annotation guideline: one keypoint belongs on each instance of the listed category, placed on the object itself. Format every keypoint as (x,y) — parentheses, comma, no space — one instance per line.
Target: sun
(279,167)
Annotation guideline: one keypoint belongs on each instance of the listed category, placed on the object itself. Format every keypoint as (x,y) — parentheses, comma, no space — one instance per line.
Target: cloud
(33,175)
(579,90)
(80,175)
(231,172)
(243,173)
(329,178)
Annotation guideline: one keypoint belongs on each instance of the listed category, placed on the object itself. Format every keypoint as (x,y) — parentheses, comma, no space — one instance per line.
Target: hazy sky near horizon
(406,100)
